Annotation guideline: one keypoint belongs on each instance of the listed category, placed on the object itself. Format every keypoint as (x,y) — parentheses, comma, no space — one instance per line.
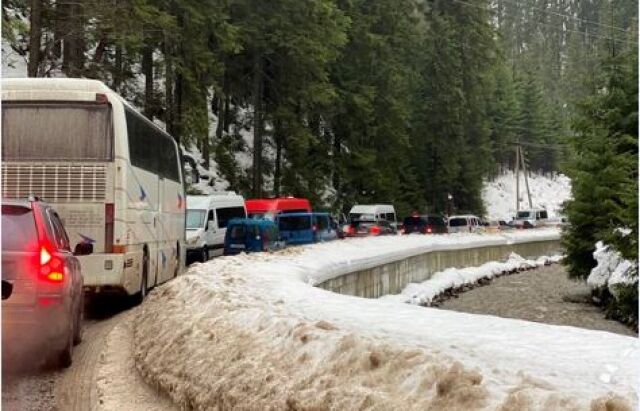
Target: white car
(207,219)
(381,216)
(464,224)
(531,218)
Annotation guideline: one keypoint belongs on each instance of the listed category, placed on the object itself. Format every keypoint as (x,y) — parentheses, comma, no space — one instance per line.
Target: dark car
(246,235)
(306,228)
(42,311)
(425,224)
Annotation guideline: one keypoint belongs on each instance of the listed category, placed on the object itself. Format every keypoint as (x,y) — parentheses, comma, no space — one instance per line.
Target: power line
(622,29)
(584,33)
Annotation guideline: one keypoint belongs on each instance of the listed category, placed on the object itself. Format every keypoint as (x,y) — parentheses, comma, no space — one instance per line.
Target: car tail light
(429,229)
(108,228)
(51,267)
(375,230)
(348,230)
(101,98)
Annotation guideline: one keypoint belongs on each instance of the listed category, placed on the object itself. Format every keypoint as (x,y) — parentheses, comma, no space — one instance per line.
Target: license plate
(237,245)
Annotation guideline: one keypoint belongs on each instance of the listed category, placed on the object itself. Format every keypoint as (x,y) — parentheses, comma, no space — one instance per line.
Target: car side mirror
(83,249)
(7,289)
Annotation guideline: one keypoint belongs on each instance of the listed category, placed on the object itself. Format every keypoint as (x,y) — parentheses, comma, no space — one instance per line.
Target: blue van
(246,235)
(306,228)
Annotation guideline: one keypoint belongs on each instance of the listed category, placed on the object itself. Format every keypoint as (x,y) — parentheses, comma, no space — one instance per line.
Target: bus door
(161,227)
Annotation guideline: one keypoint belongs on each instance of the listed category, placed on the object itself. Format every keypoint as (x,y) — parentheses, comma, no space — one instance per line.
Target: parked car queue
(224,223)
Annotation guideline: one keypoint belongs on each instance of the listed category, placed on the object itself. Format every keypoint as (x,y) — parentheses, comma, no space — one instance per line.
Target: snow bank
(499,195)
(249,332)
(424,293)
(322,262)
(612,270)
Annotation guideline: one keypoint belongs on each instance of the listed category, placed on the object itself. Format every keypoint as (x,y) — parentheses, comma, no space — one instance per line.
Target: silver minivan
(464,224)
(535,217)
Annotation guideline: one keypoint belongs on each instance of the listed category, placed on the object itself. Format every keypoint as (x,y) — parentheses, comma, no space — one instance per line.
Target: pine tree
(605,168)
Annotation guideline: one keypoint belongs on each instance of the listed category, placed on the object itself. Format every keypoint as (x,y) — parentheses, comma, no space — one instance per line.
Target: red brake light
(375,230)
(101,98)
(108,228)
(429,229)
(51,268)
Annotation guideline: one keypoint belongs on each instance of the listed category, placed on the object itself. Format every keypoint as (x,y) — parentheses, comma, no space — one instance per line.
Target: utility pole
(526,178)
(517,177)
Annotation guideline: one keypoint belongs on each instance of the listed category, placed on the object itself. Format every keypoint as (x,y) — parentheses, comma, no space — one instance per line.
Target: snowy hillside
(499,195)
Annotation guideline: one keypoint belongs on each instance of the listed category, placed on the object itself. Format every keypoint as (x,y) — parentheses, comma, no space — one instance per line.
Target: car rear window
(18,229)
(458,222)
(294,223)
(362,217)
(411,221)
(237,232)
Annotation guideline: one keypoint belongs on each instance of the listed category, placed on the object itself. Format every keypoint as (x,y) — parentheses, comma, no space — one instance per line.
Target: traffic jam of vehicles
(94,203)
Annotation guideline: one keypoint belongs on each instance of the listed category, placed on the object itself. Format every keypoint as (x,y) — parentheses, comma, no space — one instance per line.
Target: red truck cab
(270,207)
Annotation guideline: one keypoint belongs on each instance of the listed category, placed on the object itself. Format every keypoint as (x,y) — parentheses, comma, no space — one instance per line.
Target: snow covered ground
(499,195)
(250,331)
(424,293)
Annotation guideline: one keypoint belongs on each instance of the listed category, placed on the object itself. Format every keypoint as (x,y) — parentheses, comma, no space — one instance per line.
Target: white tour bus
(114,177)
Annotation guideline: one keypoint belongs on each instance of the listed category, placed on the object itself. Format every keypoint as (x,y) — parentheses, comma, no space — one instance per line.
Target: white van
(535,217)
(465,224)
(379,213)
(207,219)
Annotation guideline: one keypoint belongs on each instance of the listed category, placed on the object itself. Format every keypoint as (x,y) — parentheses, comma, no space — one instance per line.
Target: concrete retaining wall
(391,278)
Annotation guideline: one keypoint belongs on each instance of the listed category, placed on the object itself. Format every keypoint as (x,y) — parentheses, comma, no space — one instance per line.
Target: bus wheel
(139,297)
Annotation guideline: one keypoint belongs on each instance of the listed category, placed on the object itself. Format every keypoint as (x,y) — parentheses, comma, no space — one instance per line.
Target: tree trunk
(177,120)
(206,142)
(227,112)
(224,104)
(337,180)
(257,126)
(147,70)
(73,57)
(168,89)
(277,134)
(35,35)
(117,74)
(219,125)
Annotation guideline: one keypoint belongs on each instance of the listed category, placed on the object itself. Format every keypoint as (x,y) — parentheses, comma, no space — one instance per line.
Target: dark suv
(42,299)
(425,224)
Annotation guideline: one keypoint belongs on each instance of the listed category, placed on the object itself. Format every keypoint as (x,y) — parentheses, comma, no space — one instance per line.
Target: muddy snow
(250,332)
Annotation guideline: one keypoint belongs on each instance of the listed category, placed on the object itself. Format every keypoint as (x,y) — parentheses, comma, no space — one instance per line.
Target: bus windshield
(195,219)
(56,131)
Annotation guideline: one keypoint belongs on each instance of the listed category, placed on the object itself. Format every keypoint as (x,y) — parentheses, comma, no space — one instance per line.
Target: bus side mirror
(83,249)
